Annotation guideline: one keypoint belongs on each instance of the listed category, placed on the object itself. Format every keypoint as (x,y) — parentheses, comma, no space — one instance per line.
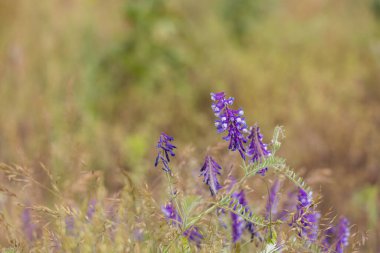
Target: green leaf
(269,162)
(292,176)
(189,203)
(229,204)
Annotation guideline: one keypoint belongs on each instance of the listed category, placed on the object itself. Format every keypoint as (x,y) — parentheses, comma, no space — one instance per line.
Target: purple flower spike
(237,227)
(304,199)
(113,217)
(194,235)
(91,209)
(28,226)
(165,150)
(328,239)
(252,230)
(231,121)
(257,150)
(306,219)
(209,171)
(171,214)
(175,219)
(337,236)
(271,207)
(238,223)
(343,234)
(70,224)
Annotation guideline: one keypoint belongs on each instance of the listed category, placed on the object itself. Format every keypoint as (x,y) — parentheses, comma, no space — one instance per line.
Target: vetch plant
(175,220)
(246,202)
(292,226)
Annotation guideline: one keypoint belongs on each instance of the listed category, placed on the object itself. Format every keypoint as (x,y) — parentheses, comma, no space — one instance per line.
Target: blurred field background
(89,85)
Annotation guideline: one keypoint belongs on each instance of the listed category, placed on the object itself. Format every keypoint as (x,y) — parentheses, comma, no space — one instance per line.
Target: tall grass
(72,98)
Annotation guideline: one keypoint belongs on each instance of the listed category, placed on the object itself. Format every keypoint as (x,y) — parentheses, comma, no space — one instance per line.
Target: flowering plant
(215,212)
(301,218)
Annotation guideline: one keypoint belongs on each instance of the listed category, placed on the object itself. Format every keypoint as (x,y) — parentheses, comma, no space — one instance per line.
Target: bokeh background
(88,85)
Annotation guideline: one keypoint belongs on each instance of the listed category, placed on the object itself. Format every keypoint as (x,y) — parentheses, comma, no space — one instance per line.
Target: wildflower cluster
(301,215)
(175,220)
(233,122)
(230,121)
(220,218)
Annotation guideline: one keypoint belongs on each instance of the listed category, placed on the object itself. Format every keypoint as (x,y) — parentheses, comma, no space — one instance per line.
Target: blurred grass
(89,85)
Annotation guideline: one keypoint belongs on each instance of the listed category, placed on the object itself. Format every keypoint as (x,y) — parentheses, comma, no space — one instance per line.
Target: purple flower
(328,239)
(306,219)
(209,171)
(252,230)
(271,207)
(114,219)
(91,209)
(238,226)
(28,226)
(70,224)
(138,234)
(175,219)
(194,235)
(165,150)
(343,234)
(337,236)
(231,121)
(171,214)
(238,223)
(257,150)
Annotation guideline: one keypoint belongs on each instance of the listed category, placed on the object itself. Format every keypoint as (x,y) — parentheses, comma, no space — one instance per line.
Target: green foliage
(232,205)
(366,200)
(241,15)
(276,163)
(376,8)
(189,204)
(9,250)
(270,162)
(292,176)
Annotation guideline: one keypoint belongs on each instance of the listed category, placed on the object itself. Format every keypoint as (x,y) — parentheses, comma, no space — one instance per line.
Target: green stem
(212,208)
(174,197)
